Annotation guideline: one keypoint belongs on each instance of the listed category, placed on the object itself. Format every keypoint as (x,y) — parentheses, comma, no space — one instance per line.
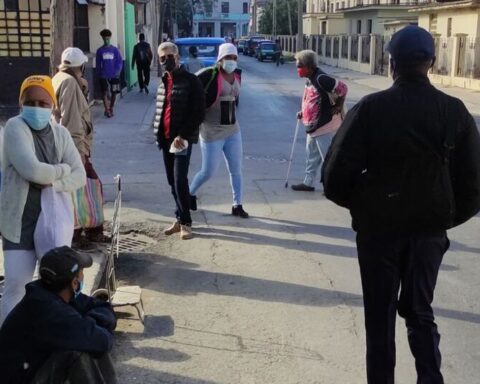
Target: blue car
(206,48)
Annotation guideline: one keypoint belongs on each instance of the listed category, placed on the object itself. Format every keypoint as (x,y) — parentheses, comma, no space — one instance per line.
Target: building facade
(227,18)
(331,17)
(26,35)
(455,26)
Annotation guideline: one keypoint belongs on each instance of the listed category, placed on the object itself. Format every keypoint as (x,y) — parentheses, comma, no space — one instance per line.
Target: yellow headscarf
(41,81)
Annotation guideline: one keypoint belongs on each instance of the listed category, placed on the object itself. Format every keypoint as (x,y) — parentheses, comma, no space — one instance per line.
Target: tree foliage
(266,20)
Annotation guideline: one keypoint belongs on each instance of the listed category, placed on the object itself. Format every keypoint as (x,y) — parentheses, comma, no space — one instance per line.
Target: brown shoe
(174,228)
(186,232)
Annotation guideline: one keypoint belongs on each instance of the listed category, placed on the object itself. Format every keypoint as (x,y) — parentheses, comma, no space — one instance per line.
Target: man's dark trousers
(409,264)
(176,167)
(143,71)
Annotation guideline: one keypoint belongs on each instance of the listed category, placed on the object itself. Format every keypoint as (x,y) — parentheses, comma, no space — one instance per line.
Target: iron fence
(328,46)
(366,41)
(336,47)
(344,47)
(469,57)
(354,48)
(444,54)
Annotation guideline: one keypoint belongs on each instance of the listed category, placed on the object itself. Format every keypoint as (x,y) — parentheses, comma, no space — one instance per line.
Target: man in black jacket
(406,163)
(142,57)
(56,333)
(180,111)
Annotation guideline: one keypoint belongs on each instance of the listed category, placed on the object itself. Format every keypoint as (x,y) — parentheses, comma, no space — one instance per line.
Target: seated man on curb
(56,334)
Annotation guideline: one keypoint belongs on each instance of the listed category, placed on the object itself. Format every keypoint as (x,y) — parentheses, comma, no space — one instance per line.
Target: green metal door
(130,41)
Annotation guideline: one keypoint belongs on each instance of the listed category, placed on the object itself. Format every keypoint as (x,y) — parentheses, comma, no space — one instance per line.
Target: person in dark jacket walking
(57,334)
(406,163)
(180,111)
(142,58)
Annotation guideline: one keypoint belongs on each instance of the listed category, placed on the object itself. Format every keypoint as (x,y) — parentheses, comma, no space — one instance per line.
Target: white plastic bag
(55,223)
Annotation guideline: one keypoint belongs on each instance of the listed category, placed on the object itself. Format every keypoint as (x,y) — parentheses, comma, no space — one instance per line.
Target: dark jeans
(409,264)
(176,167)
(143,71)
(89,232)
(77,368)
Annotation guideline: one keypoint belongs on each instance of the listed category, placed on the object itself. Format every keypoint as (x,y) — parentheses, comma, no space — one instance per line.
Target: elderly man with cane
(321,114)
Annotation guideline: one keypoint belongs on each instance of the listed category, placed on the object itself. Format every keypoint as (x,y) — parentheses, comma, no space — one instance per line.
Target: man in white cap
(71,89)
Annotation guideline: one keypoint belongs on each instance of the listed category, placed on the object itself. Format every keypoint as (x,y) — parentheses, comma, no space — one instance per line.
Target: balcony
(219,16)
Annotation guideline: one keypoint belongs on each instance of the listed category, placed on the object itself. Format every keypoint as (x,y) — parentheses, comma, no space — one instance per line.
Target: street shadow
(456,246)
(128,373)
(289,226)
(253,237)
(176,280)
(181,280)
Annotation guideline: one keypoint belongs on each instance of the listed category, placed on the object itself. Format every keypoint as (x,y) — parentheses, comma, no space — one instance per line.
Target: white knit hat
(226,49)
(73,57)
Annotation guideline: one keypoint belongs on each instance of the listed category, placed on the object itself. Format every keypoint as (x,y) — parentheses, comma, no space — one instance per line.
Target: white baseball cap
(73,57)
(226,50)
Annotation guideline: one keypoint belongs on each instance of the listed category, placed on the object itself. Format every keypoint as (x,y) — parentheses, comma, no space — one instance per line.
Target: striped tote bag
(88,204)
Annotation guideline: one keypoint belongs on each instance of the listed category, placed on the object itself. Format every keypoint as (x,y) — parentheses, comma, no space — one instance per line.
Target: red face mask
(302,72)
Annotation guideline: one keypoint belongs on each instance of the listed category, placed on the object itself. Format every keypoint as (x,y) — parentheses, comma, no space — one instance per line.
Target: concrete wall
(96,21)
(463,22)
(115,21)
(378,18)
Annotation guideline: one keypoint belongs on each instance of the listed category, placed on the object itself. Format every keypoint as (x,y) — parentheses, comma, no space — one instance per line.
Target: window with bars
(24,28)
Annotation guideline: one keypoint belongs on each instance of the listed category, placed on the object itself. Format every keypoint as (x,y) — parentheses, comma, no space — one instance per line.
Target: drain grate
(129,243)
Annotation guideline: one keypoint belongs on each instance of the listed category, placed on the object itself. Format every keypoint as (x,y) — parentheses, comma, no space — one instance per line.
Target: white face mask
(229,65)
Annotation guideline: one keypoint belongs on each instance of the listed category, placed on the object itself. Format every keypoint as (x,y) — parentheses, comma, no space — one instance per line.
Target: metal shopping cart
(119,296)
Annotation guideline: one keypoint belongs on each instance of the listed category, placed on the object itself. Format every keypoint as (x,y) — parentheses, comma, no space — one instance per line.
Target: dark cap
(62,265)
(412,43)
(105,33)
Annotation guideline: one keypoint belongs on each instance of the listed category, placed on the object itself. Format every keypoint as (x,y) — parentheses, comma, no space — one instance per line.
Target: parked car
(265,50)
(241,45)
(207,48)
(251,45)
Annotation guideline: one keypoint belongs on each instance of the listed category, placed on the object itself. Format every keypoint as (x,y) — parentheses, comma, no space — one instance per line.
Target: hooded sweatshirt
(43,323)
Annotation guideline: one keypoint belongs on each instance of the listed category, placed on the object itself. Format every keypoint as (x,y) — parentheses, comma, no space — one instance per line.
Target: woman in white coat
(36,153)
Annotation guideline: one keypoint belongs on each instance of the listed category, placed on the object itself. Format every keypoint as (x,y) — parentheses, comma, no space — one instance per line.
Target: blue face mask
(79,289)
(37,118)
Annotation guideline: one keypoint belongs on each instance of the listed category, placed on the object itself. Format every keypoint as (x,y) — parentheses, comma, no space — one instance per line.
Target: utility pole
(300,26)
(274,22)
(290,28)
(61,30)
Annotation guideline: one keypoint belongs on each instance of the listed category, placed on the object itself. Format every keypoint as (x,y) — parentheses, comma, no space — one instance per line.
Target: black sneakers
(302,187)
(237,210)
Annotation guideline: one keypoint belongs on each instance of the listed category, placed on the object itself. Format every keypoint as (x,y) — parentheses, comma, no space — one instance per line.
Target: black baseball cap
(412,43)
(62,265)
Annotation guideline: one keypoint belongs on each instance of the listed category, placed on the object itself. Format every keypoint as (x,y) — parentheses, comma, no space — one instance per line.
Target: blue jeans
(317,148)
(211,156)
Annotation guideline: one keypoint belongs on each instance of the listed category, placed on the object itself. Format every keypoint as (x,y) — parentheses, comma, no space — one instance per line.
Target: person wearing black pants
(176,168)
(409,265)
(143,72)
(406,163)
(142,57)
(180,111)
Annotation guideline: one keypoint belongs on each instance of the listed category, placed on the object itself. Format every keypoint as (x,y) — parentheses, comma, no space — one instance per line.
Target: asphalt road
(275,299)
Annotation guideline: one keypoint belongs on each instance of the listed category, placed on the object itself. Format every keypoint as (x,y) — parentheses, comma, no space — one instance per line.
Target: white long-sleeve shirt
(20,167)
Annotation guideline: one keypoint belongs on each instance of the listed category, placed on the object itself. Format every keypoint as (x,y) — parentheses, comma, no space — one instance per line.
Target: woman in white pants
(36,153)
